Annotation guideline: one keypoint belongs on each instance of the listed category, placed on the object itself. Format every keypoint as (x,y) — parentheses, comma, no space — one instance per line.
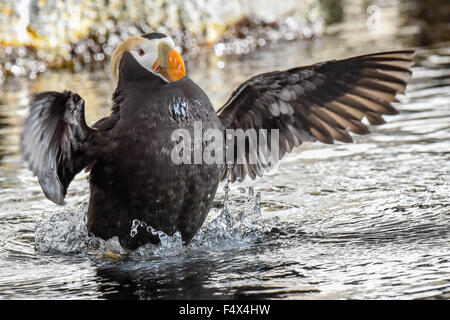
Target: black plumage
(129,152)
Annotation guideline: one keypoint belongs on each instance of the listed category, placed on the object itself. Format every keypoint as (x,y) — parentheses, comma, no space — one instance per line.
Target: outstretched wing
(55,141)
(324,102)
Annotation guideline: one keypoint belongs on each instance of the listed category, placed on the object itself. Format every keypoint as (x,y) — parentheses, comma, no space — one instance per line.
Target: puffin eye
(141,52)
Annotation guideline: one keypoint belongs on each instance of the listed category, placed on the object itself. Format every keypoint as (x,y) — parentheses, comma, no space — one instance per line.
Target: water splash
(63,232)
(236,225)
(169,246)
(66,232)
(239,223)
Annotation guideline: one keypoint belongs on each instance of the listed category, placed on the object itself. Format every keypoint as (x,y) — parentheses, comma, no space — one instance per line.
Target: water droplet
(150,229)
(135,223)
(251,192)
(134,227)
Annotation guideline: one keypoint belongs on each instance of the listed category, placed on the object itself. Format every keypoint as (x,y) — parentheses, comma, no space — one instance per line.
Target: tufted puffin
(129,154)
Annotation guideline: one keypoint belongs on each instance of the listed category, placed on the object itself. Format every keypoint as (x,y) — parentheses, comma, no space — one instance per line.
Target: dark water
(362,220)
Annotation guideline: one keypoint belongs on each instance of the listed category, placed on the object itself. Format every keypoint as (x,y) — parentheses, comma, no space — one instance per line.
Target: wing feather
(325,101)
(55,141)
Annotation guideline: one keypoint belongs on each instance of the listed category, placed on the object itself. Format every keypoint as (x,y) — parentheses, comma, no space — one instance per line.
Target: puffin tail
(54,140)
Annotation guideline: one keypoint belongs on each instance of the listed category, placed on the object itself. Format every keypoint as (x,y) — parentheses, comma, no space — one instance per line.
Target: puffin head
(154,52)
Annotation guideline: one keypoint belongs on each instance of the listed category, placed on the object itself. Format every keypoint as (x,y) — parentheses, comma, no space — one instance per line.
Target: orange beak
(169,63)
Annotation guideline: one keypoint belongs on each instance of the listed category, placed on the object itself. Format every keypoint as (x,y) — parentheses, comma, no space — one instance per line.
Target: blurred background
(37,35)
(363,220)
(41,36)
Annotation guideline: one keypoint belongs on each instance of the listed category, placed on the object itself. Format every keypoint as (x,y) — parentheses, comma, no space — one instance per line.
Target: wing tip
(52,188)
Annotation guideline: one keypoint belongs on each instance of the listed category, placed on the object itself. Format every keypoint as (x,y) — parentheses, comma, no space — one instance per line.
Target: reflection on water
(362,220)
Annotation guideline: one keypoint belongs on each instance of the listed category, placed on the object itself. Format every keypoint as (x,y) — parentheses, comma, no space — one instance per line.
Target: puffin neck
(131,73)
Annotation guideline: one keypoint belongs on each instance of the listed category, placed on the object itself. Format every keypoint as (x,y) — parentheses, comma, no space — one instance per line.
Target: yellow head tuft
(129,44)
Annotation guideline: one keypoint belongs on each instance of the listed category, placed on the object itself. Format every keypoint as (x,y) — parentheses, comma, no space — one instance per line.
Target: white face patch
(146,53)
